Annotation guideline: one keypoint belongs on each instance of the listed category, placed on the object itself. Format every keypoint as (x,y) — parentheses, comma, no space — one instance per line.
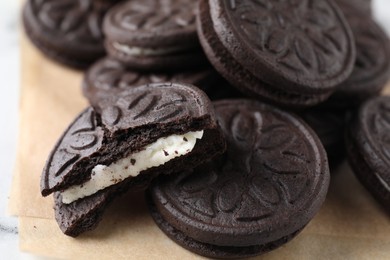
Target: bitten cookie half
(124,143)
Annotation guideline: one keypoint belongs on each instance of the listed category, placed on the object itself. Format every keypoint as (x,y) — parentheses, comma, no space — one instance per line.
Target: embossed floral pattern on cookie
(77,20)
(156,15)
(304,37)
(150,104)
(376,123)
(272,166)
(82,139)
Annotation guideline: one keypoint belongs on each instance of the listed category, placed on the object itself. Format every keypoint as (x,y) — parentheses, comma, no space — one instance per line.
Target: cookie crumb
(133,161)
(166,153)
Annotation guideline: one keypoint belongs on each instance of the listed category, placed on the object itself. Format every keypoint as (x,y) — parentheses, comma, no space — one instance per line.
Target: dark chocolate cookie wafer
(68,31)
(372,66)
(329,125)
(268,185)
(154,34)
(125,142)
(290,52)
(368,147)
(109,77)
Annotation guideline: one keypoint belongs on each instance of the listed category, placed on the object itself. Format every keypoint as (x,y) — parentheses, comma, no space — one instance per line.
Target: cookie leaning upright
(67,31)
(124,143)
(154,34)
(290,52)
(372,65)
(260,194)
(368,147)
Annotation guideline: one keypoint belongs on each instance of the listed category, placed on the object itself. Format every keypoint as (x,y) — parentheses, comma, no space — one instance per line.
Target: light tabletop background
(9,96)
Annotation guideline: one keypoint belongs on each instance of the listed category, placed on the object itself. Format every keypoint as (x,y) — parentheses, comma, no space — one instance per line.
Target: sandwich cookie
(368,147)
(109,77)
(123,144)
(257,196)
(289,52)
(372,65)
(67,31)
(154,35)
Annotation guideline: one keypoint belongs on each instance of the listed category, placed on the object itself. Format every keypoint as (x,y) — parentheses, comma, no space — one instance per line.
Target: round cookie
(108,77)
(289,52)
(372,65)
(368,147)
(261,193)
(154,34)
(67,31)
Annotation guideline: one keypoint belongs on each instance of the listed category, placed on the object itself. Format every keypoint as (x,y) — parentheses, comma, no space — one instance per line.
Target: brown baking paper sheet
(350,225)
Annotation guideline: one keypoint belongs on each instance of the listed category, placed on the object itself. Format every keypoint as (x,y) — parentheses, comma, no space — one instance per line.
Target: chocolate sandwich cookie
(329,125)
(289,52)
(368,147)
(261,193)
(109,77)
(372,66)
(68,31)
(154,34)
(124,143)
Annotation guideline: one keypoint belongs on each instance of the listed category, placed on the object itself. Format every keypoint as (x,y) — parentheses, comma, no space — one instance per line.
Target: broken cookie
(123,143)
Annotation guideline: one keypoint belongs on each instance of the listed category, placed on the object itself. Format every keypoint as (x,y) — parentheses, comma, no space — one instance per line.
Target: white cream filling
(138,51)
(153,155)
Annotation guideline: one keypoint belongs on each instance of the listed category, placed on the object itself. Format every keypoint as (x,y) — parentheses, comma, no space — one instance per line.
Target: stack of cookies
(228,114)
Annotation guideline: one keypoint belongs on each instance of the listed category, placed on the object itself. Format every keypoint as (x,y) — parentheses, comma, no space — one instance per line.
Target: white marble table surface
(9,92)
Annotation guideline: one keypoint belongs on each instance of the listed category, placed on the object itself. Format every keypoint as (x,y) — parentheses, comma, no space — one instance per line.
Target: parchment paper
(350,225)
